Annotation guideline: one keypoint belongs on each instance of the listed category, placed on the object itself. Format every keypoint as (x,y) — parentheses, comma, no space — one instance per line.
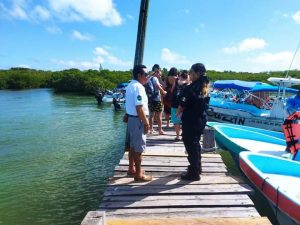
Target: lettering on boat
(229,119)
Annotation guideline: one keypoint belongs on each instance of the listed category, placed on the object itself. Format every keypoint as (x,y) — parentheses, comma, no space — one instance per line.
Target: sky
(236,35)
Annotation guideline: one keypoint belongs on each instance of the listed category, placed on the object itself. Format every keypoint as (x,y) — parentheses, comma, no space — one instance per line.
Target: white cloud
(296,17)
(75,64)
(173,58)
(273,61)
(41,12)
(54,30)
(101,56)
(83,37)
(18,12)
(24,66)
(103,11)
(100,51)
(246,45)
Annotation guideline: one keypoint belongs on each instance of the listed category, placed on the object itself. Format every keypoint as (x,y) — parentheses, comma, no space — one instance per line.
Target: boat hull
(278,180)
(243,118)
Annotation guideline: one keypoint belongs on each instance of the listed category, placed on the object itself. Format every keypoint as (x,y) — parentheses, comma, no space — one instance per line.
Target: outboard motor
(291,130)
(99,96)
(116,104)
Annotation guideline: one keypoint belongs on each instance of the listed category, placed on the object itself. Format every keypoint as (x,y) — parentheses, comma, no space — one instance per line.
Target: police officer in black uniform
(193,105)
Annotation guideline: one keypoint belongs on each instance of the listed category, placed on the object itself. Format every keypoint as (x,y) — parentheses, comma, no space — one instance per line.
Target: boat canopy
(236,84)
(122,85)
(271,88)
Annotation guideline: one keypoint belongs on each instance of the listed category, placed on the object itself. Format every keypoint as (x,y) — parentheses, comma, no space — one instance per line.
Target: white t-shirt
(156,83)
(136,95)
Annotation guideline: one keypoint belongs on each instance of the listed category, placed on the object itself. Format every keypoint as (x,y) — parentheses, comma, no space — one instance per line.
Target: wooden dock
(217,198)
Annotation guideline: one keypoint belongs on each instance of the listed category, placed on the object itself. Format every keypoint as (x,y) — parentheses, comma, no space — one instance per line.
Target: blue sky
(238,35)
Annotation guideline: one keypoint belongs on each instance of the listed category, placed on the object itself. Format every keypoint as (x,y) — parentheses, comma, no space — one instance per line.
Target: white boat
(278,179)
(109,96)
(238,138)
(252,104)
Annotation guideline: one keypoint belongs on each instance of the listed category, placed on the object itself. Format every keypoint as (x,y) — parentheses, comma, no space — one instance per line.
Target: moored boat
(253,104)
(238,138)
(278,179)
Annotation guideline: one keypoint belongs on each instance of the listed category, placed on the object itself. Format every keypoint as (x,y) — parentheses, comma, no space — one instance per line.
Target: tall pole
(141,34)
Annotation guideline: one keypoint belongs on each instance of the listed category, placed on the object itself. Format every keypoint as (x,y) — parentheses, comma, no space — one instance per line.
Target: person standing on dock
(155,103)
(138,125)
(193,107)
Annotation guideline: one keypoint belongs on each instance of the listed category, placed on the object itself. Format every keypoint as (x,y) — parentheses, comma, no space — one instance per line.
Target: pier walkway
(217,198)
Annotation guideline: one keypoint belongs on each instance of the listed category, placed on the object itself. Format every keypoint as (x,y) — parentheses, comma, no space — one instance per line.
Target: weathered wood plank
(170,163)
(176,180)
(193,221)
(178,189)
(204,158)
(174,169)
(213,212)
(182,201)
(152,198)
(160,174)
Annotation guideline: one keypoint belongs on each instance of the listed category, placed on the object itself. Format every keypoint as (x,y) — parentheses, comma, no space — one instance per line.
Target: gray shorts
(137,138)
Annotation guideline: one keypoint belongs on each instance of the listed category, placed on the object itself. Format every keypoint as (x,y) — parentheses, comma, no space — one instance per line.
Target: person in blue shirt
(293,103)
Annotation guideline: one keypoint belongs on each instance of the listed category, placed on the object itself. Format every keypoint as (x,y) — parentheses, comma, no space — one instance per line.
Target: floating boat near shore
(252,104)
(238,138)
(278,179)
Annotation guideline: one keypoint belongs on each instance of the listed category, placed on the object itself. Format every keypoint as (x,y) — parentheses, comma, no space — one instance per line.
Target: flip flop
(162,133)
(143,178)
(177,139)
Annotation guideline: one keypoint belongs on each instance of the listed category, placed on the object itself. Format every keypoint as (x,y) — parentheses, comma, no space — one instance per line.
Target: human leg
(131,168)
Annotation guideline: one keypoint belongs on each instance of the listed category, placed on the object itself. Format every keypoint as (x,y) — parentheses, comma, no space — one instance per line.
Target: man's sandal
(143,178)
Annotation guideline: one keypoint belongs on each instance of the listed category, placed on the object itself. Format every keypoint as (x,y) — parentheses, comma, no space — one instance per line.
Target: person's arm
(143,117)
(159,86)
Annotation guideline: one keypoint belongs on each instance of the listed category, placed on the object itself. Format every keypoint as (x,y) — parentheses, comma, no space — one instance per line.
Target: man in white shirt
(138,125)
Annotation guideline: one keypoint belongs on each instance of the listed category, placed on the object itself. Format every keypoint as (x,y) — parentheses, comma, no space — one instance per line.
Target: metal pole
(141,34)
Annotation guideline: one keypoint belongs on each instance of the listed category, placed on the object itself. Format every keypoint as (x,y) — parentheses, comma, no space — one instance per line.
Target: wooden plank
(189,197)
(193,221)
(176,180)
(160,174)
(174,169)
(178,189)
(182,201)
(212,212)
(169,163)
(177,159)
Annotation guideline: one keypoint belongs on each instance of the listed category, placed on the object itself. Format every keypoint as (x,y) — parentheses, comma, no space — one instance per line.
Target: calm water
(56,153)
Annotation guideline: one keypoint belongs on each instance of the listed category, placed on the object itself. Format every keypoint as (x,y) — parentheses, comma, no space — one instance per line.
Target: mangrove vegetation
(88,81)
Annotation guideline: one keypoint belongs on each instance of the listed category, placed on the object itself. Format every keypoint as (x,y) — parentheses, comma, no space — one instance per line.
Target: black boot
(190,176)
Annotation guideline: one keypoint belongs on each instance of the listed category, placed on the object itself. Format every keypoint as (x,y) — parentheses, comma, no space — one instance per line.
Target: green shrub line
(88,81)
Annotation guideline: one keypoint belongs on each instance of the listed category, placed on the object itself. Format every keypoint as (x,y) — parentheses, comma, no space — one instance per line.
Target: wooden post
(208,139)
(94,218)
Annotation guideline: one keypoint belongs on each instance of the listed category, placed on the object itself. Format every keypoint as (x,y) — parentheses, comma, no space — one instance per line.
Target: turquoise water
(56,153)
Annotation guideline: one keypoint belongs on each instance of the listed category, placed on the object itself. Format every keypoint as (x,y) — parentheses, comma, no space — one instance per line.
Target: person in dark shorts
(155,103)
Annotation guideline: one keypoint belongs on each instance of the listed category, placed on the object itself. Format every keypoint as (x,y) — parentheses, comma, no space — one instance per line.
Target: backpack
(151,91)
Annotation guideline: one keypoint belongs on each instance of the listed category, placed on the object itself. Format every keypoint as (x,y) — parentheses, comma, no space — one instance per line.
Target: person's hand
(146,128)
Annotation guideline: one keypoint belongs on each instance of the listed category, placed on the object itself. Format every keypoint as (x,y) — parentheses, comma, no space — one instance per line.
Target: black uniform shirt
(193,101)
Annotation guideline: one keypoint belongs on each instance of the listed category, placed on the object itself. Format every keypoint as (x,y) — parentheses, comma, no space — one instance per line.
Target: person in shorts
(155,104)
(136,105)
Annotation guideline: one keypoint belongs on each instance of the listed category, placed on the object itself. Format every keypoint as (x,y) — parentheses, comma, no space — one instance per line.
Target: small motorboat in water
(238,138)
(278,179)
(252,104)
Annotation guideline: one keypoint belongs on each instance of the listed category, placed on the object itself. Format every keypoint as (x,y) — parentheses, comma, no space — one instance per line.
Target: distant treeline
(74,80)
